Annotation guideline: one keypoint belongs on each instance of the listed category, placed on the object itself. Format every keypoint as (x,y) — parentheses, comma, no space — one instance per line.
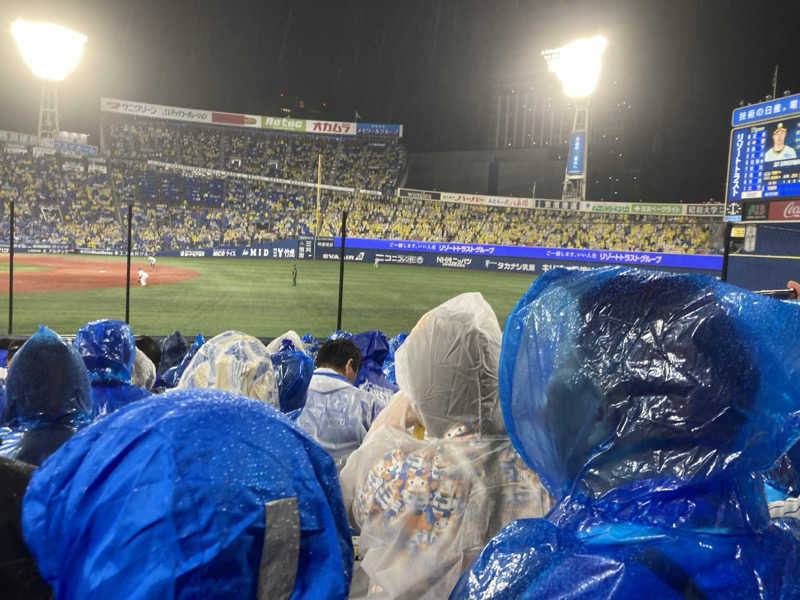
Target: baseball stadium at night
(379,300)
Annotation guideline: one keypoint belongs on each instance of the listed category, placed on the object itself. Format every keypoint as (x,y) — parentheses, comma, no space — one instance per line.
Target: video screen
(764,163)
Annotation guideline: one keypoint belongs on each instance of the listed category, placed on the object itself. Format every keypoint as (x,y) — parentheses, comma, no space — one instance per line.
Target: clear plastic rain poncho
(143,374)
(648,403)
(107,347)
(192,494)
(425,507)
(47,398)
(336,414)
(235,362)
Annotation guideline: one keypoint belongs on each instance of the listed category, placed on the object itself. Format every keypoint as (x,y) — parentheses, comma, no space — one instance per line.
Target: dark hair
(336,353)
(150,347)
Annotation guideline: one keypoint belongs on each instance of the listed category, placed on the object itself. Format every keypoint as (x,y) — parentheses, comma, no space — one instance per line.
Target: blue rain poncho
(235,362)
(647,403)
(388,363)
(107,347)
(173,349)
(425,507)
(47,398)
(172,376)
(293,370)
(192,494)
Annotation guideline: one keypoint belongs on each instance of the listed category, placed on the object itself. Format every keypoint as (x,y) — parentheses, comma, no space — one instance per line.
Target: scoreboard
(763,181)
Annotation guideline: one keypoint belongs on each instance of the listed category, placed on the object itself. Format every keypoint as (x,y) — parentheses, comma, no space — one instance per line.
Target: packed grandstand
(196,186)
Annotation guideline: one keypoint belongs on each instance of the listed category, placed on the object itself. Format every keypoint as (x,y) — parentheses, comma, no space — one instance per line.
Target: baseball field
(211,295)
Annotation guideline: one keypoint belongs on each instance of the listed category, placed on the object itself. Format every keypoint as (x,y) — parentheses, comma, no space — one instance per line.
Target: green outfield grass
(256,296)
(20,267)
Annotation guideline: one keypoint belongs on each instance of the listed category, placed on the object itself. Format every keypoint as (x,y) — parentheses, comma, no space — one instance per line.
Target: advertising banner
(705,210)
(23,139)
(575,157)
(652,259)
(784,211)
(479,199)
(154,111)
(607,207)
(334,127)
(379,129)
(411,194)
(72,148)
(283,124)
(223,118)
(657,209)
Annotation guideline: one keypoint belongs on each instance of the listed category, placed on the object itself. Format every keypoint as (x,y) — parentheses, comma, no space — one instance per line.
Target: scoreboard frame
(761,209)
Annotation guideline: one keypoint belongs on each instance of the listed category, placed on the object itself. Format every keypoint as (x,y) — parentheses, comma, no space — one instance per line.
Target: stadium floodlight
(577,65)
(51,51)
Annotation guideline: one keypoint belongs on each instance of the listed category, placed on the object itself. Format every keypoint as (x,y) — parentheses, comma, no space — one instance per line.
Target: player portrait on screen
(779,150)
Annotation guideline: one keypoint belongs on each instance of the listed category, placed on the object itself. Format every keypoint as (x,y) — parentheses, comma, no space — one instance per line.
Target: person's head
(107,348)
(341,355)
(448,367)
(779,136)
(47,377)
(235,362)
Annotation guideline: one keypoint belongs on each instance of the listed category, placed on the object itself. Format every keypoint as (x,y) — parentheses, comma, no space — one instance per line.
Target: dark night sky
(682,64)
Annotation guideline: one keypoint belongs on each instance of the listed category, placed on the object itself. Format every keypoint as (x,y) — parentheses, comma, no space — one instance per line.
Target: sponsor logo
(195,253)
(331,127)
(778,211)
(791,211)
(283,124)
(455,262)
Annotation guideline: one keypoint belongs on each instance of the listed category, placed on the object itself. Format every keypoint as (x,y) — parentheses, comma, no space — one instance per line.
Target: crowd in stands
(233,468)
(375,165)
(61,202)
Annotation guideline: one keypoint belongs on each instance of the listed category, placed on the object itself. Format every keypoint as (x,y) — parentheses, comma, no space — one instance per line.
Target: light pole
(51,52)
(577,66)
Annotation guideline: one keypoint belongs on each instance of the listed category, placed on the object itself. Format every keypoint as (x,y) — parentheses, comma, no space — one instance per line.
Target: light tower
(51,52)
(577,66)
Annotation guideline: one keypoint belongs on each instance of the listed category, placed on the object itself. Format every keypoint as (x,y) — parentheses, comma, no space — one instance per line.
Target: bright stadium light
(577,65)
(51,51)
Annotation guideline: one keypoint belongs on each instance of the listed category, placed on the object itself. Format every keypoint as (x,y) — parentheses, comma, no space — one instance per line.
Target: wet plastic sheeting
(171,497)
(647,403)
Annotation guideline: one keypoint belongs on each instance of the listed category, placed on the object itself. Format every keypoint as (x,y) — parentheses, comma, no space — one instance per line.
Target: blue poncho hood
(647,403)
(107,347)
(46,378)
(192,494)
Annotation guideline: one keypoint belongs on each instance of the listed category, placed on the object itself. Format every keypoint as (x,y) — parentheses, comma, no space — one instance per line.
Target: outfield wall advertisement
(211,117)
(449,255)
(671,209)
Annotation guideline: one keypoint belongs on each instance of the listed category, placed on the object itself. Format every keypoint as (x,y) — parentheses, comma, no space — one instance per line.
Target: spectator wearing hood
(107,348)
(234,362)
(337,414)
(173,349)
(204,494)
(47,398)
(648,403)
(425,506)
